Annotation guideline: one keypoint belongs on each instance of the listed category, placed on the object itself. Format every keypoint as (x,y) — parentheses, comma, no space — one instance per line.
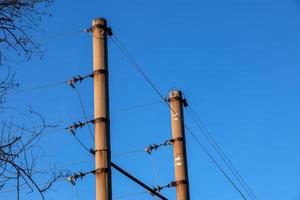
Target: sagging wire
(77,125)
(72,83)
(147,79)
(80,124)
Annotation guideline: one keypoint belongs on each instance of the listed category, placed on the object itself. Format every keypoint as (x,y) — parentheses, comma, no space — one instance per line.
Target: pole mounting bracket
(108,30)
(102,170)
(99,71)
(176,98)
(180,182)
(100,119)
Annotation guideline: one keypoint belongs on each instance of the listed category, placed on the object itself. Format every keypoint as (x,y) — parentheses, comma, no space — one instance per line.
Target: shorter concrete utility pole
(179,146)
(101,111)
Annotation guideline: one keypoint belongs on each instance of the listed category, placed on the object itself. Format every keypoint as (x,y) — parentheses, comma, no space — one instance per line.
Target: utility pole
(101,111)
(179,151)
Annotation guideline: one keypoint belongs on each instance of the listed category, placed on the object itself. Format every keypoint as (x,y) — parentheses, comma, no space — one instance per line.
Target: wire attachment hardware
(152,147)
(93,151)
(72,179)
(100,119)
(79,78)
(72,82)
(77,125)
(101,170)
(108,30)
(99,71)
(80,124)
(159,188)
(184,101)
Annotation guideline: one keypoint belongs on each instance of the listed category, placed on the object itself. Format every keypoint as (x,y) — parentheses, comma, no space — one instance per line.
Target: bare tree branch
(19,157)
(19,19)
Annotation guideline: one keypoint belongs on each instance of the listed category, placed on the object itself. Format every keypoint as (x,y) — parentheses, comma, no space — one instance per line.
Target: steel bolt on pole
(179,151)
(101,111)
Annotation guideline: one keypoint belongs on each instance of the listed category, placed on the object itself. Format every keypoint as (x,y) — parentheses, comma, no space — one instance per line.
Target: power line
(215,162)
(72,82)
(79,141)
(135,107)
(129,195)
(135,64)
(208,154)
(84,112)
(220,152)
(37,87)
(128,152)
(24,186)
(117,110)
(58,35)
(35,133)
(140,70)
(154,169)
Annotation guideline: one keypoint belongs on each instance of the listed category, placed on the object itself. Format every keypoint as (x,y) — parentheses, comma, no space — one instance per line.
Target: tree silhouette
(19,149)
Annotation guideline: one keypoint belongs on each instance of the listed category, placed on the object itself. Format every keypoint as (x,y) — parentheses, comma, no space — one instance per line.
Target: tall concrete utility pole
(101,111)
(179,151)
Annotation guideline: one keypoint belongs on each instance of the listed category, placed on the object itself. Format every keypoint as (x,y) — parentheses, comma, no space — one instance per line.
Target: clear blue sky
(237,62)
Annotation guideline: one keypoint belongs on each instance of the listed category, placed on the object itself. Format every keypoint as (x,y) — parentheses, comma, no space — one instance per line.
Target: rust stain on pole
(179,146)
(101,111)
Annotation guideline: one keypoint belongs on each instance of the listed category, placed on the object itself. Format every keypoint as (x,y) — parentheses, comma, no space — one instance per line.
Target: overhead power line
(136,107)
(125,196)
(58,35)
(220,152)
(72,82)
(216,163)
(37,87)
(84,112)
(116,110)
(126,53)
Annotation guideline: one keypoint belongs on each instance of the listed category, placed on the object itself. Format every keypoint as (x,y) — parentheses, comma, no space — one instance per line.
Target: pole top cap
(175,93)
(99,20)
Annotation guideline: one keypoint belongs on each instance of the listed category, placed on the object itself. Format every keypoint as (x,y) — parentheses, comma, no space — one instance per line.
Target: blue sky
(236,61)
